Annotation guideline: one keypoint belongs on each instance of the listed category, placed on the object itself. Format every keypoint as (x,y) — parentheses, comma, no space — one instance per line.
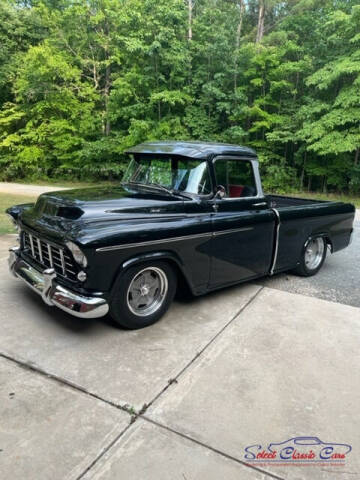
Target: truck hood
(65,212)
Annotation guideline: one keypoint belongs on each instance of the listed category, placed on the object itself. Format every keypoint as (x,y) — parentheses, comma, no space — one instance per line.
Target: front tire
(312,258)
(143,294)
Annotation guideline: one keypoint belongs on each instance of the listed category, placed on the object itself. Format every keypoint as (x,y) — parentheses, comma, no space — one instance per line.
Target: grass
(334,197)
(7,200)
(66,183)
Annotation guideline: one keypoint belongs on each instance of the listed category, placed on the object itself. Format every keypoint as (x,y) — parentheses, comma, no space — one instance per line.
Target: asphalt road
(337,281)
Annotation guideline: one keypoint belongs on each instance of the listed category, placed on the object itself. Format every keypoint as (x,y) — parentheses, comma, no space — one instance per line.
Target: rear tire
(143,294)
(312,257)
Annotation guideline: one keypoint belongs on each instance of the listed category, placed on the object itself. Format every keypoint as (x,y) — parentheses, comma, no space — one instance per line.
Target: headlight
(78,255)
(13,221)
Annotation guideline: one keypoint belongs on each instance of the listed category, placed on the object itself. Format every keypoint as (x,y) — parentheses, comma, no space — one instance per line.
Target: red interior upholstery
(235,190)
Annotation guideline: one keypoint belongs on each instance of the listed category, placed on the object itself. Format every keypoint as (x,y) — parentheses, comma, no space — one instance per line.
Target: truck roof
(201,150)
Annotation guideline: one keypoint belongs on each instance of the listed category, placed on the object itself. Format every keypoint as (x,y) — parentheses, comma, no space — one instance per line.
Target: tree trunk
(95,76)
(237,39)
(303,172)
(261,19)
(356,159)
(309,183)
(190,9)
(324,189)
(208,79)
(106,96)
(107,80)
(157,86)
(296,87)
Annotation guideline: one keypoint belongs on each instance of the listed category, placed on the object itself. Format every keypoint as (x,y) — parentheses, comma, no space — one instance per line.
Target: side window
(236,176)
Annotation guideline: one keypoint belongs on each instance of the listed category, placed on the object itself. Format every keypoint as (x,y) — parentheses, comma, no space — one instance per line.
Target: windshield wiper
(160,187)
(150,185)
(182,194)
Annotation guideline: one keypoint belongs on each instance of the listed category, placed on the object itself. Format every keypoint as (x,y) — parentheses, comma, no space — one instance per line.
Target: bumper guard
(45,284)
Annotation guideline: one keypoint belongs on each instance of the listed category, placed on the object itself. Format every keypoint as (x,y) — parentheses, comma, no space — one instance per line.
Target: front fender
(171,257)
(16,210)
(151,256)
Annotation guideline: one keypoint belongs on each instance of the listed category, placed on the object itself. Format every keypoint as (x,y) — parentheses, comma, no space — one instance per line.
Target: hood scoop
(50,207)
(72,213)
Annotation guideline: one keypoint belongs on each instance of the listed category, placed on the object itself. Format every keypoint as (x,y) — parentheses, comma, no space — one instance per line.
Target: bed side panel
(333,220)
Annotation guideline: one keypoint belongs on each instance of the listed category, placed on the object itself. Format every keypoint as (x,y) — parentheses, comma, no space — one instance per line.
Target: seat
(238,191)
(235,191)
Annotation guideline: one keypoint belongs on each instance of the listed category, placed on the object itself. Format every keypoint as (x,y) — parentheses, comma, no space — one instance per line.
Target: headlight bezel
(13,221)
(78,255)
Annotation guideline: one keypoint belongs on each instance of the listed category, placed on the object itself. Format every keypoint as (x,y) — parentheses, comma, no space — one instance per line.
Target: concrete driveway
(25,189)
(247,366)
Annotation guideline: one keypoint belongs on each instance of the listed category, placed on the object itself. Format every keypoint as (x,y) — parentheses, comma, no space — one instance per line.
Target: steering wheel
(201,187)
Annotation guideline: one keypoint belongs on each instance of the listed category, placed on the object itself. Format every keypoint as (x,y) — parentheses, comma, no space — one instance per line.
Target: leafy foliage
(82,80)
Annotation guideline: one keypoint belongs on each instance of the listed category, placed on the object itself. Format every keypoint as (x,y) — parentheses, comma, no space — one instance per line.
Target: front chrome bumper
(45,284)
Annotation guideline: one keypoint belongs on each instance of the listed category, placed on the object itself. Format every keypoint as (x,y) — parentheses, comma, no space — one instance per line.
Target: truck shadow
(62,319)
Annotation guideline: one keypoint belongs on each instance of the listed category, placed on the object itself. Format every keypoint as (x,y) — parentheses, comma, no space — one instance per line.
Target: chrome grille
(49,256)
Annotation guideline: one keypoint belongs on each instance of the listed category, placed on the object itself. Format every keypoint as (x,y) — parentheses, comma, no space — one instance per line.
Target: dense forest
(82,80)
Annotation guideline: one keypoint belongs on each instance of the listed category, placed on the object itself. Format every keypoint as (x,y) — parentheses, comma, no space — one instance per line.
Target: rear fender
(329,243)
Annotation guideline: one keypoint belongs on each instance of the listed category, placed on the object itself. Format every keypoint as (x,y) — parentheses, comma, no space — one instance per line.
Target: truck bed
(278,201)
(299,219)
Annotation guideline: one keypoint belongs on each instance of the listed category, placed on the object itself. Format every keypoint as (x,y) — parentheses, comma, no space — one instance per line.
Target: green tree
(53,113)
(20,28)
(331,124)
(82,80)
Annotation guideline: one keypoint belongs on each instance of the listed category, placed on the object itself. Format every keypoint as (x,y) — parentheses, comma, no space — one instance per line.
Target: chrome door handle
(261,204)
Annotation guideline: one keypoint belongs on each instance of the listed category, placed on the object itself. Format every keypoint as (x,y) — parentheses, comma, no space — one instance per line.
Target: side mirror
(220,192)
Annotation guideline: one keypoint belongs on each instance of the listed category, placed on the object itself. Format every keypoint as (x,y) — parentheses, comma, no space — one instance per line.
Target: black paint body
(211,247)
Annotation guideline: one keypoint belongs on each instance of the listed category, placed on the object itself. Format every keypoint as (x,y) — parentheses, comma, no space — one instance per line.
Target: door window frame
(255,170)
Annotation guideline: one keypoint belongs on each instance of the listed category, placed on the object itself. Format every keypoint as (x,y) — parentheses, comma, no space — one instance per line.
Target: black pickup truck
(184,212)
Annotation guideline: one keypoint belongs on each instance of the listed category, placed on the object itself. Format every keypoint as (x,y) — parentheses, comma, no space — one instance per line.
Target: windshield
(171,173)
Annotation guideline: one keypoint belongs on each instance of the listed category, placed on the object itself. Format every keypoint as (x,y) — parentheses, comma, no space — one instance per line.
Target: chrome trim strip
(50,255)
(232,230)
(173,239)
(273,263)
(62,261)
(40,251)
(172,216)
(152,242)
(32,245)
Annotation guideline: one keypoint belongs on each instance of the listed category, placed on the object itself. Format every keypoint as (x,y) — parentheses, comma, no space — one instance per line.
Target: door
(243,225)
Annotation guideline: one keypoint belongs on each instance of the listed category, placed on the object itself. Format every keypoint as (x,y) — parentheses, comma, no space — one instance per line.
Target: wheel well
(183,285)
(329,243)
(326,238)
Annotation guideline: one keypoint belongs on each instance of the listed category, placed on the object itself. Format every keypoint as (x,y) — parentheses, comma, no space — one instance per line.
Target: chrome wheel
(314,253)
(147,291)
